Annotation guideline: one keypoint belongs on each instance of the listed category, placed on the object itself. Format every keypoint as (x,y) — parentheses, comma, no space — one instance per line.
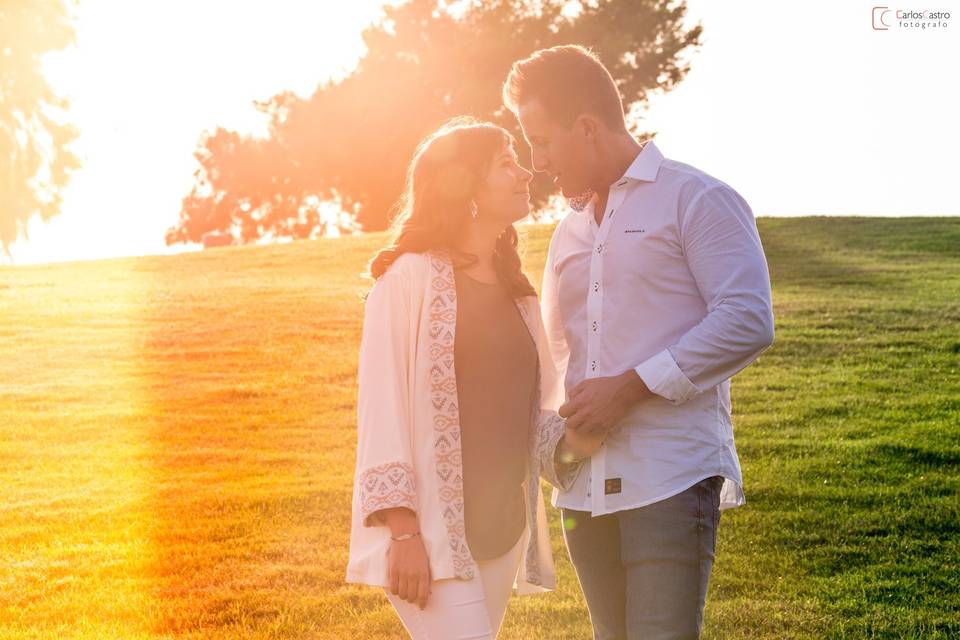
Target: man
(655,293)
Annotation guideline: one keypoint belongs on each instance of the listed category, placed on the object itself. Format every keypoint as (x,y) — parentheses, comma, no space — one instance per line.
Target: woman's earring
(473,209)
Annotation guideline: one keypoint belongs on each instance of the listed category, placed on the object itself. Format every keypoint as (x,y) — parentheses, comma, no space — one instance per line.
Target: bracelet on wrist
(405,536)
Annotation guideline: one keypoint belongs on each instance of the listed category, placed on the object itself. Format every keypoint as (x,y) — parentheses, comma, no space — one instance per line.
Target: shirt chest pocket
(643,251)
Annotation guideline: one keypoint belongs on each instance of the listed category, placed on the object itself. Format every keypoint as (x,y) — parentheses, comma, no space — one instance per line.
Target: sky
(804,108)
(807,110)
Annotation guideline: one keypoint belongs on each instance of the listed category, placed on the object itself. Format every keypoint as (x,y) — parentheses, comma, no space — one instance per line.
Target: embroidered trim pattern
(446,413)
(386,486)
(533,473)
(547,427)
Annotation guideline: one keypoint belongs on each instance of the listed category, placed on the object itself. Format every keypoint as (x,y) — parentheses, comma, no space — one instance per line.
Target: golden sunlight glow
(145,80)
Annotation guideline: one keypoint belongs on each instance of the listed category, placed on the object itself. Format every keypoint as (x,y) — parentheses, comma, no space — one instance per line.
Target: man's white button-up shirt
(673,283)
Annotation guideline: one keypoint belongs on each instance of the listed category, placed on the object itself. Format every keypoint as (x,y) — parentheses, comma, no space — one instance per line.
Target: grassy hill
(177,433)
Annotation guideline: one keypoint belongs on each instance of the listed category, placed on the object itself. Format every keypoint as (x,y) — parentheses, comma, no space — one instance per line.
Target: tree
(352,139)
(35,161)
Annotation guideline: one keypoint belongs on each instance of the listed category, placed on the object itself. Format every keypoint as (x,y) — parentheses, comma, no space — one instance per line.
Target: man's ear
(587,126)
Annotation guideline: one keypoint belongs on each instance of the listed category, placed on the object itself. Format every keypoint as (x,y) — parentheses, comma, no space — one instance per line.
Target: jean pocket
(709,492)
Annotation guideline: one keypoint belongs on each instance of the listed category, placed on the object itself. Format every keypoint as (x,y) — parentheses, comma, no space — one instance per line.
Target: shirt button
(594,325)
(600,248)
(593,366)
(596,286)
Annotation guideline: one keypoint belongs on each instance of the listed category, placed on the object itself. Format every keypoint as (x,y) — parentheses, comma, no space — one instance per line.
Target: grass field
(177,433)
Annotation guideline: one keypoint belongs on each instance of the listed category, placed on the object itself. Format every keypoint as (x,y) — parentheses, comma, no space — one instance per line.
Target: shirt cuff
(663,377)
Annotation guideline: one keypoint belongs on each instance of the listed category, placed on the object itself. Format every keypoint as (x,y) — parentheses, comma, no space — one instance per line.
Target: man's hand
(597,404)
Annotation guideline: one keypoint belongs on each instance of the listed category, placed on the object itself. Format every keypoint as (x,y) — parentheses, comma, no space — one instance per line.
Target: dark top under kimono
(495,359)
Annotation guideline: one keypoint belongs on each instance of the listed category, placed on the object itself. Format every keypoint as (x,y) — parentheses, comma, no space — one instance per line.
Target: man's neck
(621,154)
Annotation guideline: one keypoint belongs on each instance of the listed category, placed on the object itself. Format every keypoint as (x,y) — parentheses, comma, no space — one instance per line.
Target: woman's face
(504,196)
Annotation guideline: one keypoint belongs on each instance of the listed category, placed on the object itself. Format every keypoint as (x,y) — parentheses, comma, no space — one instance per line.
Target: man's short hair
(568,81)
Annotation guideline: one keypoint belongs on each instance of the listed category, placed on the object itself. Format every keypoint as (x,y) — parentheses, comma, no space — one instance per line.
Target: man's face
(563,154)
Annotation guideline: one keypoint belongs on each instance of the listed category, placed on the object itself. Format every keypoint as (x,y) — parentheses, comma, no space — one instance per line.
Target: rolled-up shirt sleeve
(722,247)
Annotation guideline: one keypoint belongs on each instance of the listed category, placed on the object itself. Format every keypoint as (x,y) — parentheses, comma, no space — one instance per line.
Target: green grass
(177,433)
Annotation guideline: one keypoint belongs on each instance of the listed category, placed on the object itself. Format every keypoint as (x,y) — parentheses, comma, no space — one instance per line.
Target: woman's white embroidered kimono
(408,440)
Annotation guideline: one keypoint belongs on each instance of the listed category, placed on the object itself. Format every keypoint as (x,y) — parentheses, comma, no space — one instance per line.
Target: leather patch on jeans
(612,485)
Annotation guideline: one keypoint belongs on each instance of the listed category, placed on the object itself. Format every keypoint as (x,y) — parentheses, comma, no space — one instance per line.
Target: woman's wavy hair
(447,169)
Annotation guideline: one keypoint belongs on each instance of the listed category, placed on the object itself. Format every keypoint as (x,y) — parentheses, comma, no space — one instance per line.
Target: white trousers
(464,609)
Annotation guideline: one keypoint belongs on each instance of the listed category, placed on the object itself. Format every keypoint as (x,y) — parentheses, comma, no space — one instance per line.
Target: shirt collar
(644,168)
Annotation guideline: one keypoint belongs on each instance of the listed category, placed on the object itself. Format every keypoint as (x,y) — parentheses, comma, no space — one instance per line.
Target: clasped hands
(595,407)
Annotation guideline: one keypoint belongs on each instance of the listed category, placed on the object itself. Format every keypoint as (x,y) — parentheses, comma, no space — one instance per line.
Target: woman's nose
(525,176)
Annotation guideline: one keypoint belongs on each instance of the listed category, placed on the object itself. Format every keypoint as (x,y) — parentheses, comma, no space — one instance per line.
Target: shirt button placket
(595,297)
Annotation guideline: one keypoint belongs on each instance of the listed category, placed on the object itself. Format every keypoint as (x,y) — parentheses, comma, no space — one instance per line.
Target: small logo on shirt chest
(612,485)
(635,231)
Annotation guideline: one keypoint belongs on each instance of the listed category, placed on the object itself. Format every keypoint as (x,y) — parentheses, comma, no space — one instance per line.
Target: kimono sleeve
(559,473)
(548,426)
(384,475)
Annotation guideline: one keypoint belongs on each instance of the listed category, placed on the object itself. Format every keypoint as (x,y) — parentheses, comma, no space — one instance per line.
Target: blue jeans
(644,571)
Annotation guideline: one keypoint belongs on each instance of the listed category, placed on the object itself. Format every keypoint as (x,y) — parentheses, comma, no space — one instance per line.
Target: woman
(455,380)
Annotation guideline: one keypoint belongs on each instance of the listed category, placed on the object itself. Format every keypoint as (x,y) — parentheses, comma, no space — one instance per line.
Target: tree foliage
(35,160)
(352,139)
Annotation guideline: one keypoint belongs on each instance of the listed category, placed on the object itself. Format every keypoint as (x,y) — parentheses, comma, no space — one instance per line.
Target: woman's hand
(408,567)
(409,570)
(577,445)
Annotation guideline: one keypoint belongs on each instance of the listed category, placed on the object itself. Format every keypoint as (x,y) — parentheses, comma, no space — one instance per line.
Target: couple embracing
(614,387)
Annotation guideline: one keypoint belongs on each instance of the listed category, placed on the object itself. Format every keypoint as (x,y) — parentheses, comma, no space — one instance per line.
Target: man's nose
(539,162)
